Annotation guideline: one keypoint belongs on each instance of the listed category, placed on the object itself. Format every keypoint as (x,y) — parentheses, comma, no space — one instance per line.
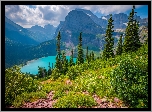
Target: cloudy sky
(30,15)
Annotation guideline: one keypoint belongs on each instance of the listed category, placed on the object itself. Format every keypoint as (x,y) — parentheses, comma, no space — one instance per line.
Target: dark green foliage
(64,63)
(58,57)
(119,46)
(92,56)
(49,70)
(73,72)
(132,42)
(56,73)
(87,54)
(42,72)
(71,59)
(52,65)
(57,64)
(130,80)
(80,51)
(23,53)
(16,83)
(108,50)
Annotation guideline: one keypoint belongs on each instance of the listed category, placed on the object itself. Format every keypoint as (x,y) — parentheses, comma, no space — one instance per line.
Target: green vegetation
(119,46)
(123,76)
(108,50)
(75,100)
(131,42)
(80,58)
(17,83)
(71,59)
(58,57)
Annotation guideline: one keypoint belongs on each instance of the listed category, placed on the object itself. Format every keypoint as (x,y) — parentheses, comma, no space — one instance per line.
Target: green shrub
(59,94)
(16,83)
(28,97)
(55,74)
(74,71)
(47,87)
(74,100)
(130,81)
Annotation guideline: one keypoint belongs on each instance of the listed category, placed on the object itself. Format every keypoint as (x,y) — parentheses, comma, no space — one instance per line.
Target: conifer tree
(108,50)
(119,46)
(87,54)
(71,59)
(64,63)
(132,42)
(42,72)
(49,69)
(80,51)
(92,56)
(58,57)
(52,65)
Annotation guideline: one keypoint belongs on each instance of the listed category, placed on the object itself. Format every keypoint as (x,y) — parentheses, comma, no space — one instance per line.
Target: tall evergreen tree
(49,69)
(58,57)
(80,51)
(64,63)
(87,54)
(42,72)
(92,56)
(119,46)
(71,59)
(108,50)
(52,65)
(132,42)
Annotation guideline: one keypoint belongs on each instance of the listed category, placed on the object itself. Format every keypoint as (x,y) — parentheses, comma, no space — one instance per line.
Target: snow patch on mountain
(104,18)
(125,24)
(88,14)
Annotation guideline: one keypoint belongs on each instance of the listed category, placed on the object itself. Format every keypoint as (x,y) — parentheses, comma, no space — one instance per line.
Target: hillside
(17,33)
(93,85)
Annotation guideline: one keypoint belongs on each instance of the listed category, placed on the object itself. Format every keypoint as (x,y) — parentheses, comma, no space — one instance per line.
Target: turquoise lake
(32,66)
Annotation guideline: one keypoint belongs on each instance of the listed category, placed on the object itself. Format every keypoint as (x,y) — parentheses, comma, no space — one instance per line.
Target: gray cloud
(41,15)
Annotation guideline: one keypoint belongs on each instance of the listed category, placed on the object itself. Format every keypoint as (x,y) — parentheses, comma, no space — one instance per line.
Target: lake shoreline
(32,65)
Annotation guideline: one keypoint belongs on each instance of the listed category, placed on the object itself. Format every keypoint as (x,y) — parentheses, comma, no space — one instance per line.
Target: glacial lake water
(32,66)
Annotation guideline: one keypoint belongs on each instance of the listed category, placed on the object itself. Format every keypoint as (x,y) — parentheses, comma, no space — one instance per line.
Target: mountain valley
(37,42)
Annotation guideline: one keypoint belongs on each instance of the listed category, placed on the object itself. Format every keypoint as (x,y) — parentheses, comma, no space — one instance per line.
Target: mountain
(121,19)
(79,21)
(43,34)
(47,48)
(92,16)
(17,53)
(17,39)
(14,52)
(92,28)
(143,33)
(19,34)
